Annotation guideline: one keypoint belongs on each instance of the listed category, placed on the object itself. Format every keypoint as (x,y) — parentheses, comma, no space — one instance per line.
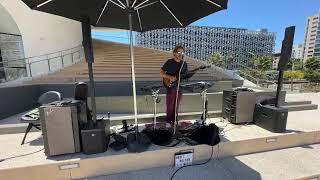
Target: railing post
(29,64)
(48,61)
(62,60)
(71,58)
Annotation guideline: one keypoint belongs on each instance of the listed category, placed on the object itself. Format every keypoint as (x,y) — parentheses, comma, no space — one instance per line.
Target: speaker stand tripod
(204,107)
(155,95)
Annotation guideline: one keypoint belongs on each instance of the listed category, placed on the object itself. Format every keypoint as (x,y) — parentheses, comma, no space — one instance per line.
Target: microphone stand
(176,103)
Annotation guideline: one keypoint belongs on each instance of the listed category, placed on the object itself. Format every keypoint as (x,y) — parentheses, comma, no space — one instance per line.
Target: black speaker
(271,118)
(286,48)
(87,40)
(95,140)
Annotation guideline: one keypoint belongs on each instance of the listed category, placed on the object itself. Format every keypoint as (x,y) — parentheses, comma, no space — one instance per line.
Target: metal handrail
(27,62)
(12,60)
(255,80)
(245,67)
(50,58)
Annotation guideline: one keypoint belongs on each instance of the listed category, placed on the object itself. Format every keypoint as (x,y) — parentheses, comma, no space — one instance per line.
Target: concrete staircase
(112,63)
(300,105)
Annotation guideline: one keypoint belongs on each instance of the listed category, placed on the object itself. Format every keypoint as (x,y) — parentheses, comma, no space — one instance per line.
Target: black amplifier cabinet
(96,140)
(238,106)
(271,118)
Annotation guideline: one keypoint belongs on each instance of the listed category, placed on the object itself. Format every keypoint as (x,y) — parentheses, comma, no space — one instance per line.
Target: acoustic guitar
(168,83)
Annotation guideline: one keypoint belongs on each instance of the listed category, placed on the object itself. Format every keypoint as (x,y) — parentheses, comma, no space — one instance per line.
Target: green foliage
(312,76)
(216,59)
(263,63)
(293,74)
(295,64)
(313,63)
(255,73)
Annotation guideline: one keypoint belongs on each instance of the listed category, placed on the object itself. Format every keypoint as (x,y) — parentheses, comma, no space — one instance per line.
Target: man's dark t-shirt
(172,67)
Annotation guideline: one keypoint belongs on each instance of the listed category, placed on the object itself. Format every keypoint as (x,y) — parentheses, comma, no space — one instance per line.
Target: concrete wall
(42,33)
(114,97)
(190,102)
(111,96)
(8,24)
(14,100)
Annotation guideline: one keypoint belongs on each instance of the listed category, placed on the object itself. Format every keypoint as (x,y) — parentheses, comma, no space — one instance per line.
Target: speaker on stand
(274,117)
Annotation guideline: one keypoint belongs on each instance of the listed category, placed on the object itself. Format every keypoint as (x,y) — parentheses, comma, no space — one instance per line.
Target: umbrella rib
(134,2)
(218,5)
(105,5)
(146,5)
(117,4)
(127,1)
(141,4)
(43,3)
(139,19)
(171,13)
(121,3)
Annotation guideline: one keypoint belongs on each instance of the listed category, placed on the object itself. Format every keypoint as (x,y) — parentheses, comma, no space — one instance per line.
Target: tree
(294,64)
(263,63)
(313,63)
(293,74)
(312,76)
(216,59)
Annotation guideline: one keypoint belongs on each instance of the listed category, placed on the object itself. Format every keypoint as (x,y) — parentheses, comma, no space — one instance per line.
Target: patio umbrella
(133,15)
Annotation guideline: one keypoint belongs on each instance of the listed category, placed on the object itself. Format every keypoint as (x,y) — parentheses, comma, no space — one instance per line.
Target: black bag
(119,143)
(206,135)
(138,143)
(161,137)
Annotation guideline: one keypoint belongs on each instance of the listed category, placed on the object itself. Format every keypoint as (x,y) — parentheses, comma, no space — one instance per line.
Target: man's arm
(185,72)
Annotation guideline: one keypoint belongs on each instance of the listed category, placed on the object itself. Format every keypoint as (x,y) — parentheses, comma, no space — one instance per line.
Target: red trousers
(171,103)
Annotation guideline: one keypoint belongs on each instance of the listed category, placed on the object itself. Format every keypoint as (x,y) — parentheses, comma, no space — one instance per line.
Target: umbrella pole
(87,44)
(133,76)
(92,90)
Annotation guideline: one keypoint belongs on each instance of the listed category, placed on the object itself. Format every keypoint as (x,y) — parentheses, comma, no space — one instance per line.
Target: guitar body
(168,84)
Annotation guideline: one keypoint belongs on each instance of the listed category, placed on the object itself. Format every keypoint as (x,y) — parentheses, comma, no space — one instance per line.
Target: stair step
(289,103)
(301,107)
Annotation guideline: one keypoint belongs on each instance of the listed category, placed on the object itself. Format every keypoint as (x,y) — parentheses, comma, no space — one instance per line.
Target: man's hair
(175,50)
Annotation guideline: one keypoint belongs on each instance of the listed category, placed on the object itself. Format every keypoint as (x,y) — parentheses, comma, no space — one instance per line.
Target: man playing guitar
(170,73)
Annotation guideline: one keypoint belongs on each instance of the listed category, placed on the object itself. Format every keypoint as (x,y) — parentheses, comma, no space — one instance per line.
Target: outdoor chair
(32,117)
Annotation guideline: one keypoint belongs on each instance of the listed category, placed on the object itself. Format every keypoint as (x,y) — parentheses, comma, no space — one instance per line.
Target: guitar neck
(194,70)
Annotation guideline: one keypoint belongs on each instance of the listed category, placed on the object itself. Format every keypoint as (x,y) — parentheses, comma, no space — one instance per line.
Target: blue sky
(275,15)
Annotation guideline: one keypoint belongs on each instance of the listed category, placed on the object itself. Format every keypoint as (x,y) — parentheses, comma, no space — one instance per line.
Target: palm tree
(263,63)
(216,59)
